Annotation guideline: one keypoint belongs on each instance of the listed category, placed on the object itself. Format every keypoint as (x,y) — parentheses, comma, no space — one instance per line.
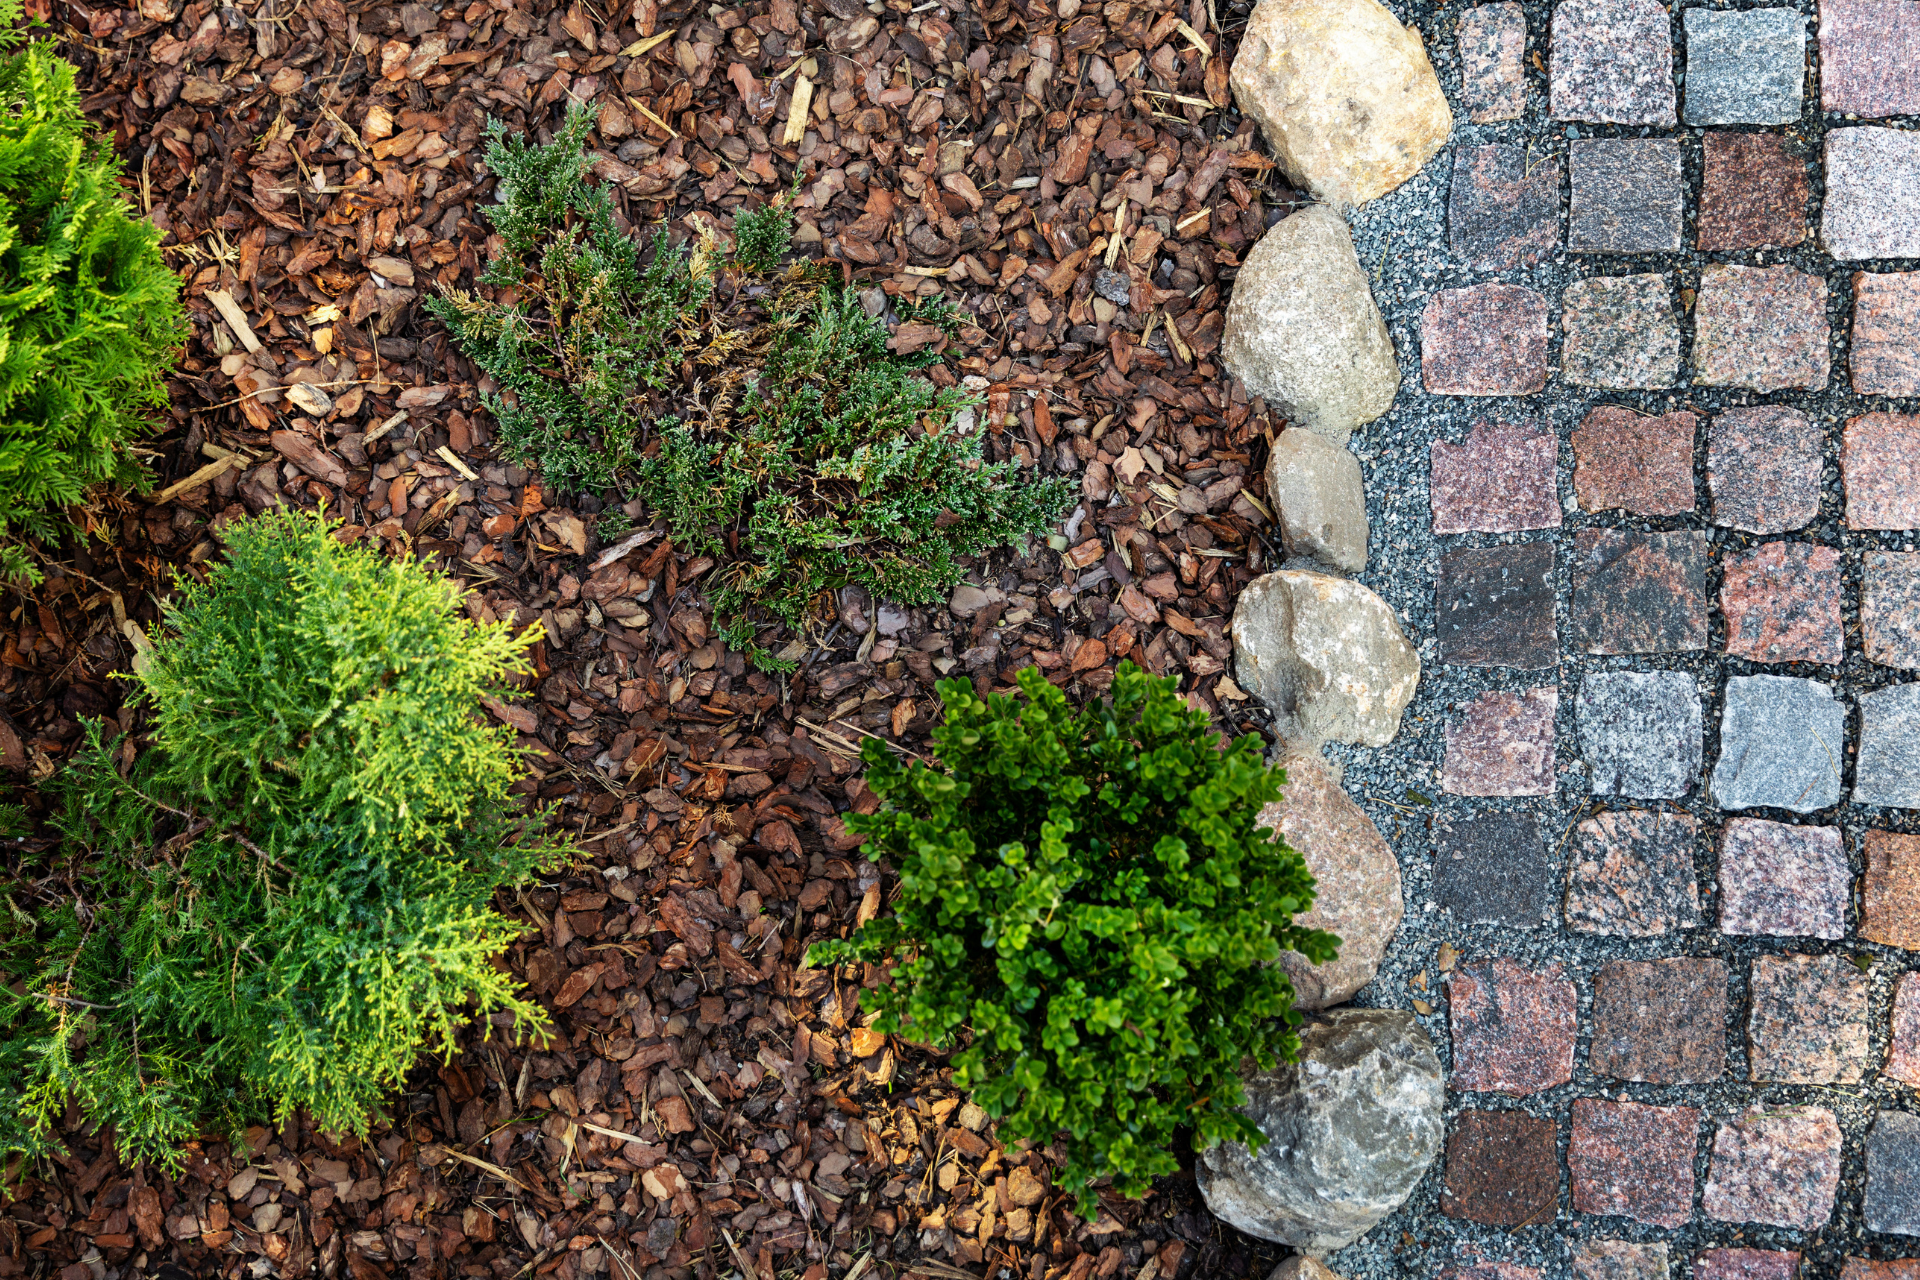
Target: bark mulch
(1072,176)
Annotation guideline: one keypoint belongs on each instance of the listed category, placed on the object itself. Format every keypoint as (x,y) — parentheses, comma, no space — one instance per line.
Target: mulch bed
(708,1106)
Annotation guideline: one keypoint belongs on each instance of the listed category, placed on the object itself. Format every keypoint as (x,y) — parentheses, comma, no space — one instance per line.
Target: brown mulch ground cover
(1067,174)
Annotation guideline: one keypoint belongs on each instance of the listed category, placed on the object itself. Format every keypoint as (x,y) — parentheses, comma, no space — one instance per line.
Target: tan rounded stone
(1344,93)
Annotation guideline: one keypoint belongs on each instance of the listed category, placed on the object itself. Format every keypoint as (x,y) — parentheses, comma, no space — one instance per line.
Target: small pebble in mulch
(1503,211)
(1612,63)
(1890,607)
(1782,603)
(1502,745)
(1753,194)
(1807,1022)
(1903,1055)
(1783,880)
(1660,1021)
(1640,732)
(1745,66)
(1774,1165)
(1781,741)
(1890,895)
(1872,205)
(1493,79)
(1880,469)
(1886,333)
(1502,1169)
(1868,49)
(1493,607)
(1513,1028)
(1620,332)
(1491,868)
(1893,1174)
(1887,769)
(1630,1160)
(1640,463)
(1620,1260)
(1762,328)
(1746,1264)
(1488,340)
(1632,874)
(1626,195)
(1763,469)
(1501,479)
(1639,592)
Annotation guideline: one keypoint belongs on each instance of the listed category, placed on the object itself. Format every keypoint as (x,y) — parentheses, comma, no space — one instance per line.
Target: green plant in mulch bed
(781,436)
(1090,913)
(89,314)
(279,904)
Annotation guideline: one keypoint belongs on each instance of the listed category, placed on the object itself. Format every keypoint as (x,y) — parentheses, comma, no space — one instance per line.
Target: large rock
(1319,499)
(1359,897)
(1303,331)
(1326,655)
(1301,1267)
(1344,93)
(1351,1128)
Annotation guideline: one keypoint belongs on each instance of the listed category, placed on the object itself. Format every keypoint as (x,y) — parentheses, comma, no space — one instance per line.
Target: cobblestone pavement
(1646,502)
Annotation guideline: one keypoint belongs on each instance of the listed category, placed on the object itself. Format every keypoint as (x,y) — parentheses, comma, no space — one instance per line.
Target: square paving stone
(1491,868)
(1753,194)
(1781,743)
(1762,328)
(1640,733)
(1880,468)
(1660,1021)
(1639,592)
(1872,206)
(1893,1174)
(1745,66)
(1501,479)
(1632,875)
(1807,1021)
(1493,607)
(1903,1056)
(1887,770)
(1633,1161)
(1893,1269)
(1486,340)
(1619,332)
(1870,58)
(1640,463)
(1890,607)
(1783,881)
(1502,745)
(1626,195)
(1502,1169)
(1493,79)
(1778,1165)
(1782,603)
(1886,333)
(1612,63)
(1763,469)
(1890,900)
(1513,1028)
(1502,213)
(1746,1264)
(1470,1266)
(1620,1260)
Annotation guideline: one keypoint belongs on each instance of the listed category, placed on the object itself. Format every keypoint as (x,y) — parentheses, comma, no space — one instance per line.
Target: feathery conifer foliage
(792,445)
(285,899)
(1090,912)
(91,316)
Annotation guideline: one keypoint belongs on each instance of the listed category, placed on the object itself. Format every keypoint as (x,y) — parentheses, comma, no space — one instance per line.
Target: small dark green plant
(1090,912)
(792,446)
(285,899)
(91,316)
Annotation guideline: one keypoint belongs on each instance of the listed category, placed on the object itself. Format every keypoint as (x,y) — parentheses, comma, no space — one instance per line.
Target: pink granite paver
(1499,480)
(1493,79)
(1640,463)
(1890,607)
(1886,333)
(1612,63)
(1486,340)
(1782,603)
(1763,468)
(1513,1027)
(1880,469)
(1502,745)
(1903,1055)
(1762,328)
(1775,1165)
(1808,1021)
(1746,1264)
(1633,1161)
(1753,193)
(1870,57)
(1631,874)
(1890,893)
(1620,1260)
(1783,880)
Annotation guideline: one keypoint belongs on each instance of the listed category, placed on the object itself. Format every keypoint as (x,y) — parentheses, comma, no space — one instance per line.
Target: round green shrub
(286,898)
(1090,912)
(92,315)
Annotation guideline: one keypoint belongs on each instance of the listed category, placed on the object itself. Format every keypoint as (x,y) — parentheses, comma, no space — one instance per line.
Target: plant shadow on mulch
(708,1107)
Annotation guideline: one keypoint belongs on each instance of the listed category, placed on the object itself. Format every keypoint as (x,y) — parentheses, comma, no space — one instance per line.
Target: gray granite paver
(1626,195)
(1612,62)
(1892,1201)
(1640,733)
(1745,66)
(1782,741)
(1782,880)
(1887,769)
(1872,207)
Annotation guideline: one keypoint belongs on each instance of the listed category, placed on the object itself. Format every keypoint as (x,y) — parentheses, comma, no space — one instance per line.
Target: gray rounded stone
(1781,741)
(1319,500)
(1327,655)
(1351,1128)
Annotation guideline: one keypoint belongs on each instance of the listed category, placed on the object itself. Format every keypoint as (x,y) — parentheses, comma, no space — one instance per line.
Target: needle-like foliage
(285,899)
(1090,912)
